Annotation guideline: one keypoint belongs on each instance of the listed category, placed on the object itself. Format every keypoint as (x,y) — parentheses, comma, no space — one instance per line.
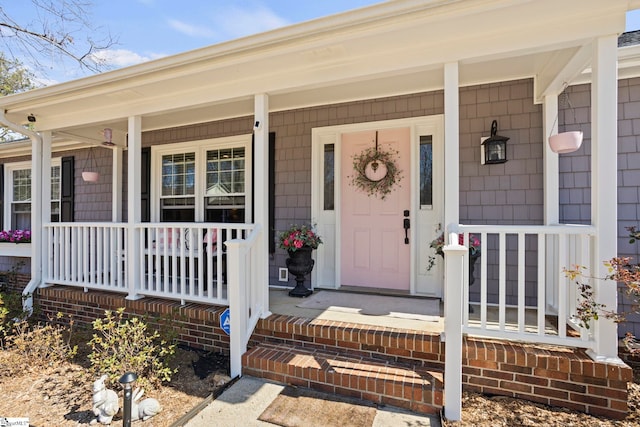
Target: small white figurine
(105,402)
(145,409)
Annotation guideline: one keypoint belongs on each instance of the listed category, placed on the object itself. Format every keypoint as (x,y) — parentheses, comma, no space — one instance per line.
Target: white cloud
(118,58)
(233,22)
(190,29)
(230,22)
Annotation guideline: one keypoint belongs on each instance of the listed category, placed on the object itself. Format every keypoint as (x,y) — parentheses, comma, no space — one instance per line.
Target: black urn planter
(300,264)
(472,267)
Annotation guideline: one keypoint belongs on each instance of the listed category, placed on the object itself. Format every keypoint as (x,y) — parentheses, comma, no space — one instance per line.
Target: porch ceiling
(390,48)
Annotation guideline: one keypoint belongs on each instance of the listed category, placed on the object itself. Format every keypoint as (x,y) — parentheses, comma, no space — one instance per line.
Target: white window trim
(9,168)
(200,148)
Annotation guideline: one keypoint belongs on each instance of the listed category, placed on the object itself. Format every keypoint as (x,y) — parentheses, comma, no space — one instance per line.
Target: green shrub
(122,345)
(10,310)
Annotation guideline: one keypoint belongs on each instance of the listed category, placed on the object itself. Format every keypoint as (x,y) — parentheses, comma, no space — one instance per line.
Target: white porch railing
(88,255)
(523,293)
(178,261)
(246,294)
(511,304)
(209,263)
(185,261)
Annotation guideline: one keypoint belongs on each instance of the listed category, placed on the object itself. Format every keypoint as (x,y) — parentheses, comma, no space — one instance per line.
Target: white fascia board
(388,38)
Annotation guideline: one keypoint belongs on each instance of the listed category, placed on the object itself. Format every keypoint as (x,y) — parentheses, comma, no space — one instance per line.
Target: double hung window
(18,195)
(204,182)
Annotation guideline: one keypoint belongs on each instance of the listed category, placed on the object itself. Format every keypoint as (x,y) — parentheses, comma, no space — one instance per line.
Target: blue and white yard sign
(225,324)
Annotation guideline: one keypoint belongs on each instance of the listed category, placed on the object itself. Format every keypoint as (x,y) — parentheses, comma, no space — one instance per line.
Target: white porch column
(134,208)
(45,209)
(116,184)
(40,180)
(604,202)
(551,177)
(550,161)
(451,146)
(261,191)
(453,253)
(454,261)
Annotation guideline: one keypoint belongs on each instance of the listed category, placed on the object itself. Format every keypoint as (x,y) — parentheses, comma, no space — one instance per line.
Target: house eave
(394,47)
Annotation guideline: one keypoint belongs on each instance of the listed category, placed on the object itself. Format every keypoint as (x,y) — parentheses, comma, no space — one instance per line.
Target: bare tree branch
(59,29)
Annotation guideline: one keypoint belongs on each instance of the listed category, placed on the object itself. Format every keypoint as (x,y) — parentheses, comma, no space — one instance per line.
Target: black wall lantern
(495,147)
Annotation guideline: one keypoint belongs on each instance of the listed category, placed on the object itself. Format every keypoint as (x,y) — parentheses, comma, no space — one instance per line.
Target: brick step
(396,345)
(415,388)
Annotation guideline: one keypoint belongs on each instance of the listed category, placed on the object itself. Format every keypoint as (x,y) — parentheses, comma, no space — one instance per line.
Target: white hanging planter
(90,176)
(566,142)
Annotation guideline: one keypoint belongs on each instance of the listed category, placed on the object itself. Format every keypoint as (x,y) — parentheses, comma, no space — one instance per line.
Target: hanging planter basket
(88,173)
(90,176)
(566,142)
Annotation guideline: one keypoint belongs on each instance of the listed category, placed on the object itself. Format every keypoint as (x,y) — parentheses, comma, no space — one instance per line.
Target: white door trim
(327,271)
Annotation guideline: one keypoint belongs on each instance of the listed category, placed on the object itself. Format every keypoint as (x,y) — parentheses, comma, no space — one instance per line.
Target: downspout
(36,255)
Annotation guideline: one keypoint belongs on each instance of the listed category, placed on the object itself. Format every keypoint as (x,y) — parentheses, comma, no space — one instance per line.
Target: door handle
(406,224)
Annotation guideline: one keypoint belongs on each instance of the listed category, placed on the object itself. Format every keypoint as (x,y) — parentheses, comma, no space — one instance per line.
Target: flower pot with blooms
(474,252)
(299,241)
(15,236)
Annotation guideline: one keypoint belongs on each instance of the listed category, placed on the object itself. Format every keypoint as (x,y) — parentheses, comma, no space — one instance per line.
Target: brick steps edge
(414,388)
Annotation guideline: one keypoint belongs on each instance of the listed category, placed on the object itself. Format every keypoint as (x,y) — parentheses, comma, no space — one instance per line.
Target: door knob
(406,225)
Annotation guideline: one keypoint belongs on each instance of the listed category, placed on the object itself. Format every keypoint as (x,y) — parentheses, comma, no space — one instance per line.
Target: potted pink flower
(474,252)
(298,237)
(299,241)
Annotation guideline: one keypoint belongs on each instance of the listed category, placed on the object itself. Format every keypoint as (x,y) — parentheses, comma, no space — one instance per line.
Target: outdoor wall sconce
(495,147)
(108,135)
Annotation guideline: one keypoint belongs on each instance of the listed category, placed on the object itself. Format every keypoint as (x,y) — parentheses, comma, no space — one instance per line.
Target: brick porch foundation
(197,325)
(389,366)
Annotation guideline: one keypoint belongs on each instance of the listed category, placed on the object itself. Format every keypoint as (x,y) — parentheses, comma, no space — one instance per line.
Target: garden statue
(145,409)
(105,402)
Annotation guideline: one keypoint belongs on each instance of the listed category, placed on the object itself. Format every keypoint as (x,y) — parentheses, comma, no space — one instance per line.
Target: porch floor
(281,303)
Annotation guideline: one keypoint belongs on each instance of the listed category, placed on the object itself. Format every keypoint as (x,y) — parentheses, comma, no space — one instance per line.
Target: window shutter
(145,184)
(272,192)
(2,197)
(272,186)
(67,189)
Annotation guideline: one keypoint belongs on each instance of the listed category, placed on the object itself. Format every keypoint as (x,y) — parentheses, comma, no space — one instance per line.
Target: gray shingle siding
(508,193)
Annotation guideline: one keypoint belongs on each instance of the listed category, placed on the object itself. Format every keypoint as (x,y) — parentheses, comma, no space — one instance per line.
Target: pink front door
(372,243)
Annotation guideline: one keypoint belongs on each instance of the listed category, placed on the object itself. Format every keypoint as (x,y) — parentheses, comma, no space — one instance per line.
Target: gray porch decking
(281,303)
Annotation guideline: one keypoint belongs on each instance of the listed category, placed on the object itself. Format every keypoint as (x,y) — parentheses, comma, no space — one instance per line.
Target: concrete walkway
(242,403)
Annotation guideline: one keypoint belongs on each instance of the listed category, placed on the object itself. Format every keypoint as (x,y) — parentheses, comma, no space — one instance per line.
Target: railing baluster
(465,278)
(562,288)
(521,282)
(502,281)
(67,254)
(542,298)
(202,257)
(483,281)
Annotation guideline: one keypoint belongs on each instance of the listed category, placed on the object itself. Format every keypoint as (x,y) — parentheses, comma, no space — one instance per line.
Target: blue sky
(149,29)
